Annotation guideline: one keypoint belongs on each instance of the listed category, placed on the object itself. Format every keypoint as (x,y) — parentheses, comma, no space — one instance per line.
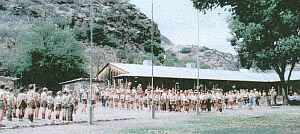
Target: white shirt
(2,94)
(49,99)
(44,96)
(57,99)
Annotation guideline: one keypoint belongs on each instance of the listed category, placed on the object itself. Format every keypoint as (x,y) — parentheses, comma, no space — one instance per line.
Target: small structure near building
(81,83)
(9,81)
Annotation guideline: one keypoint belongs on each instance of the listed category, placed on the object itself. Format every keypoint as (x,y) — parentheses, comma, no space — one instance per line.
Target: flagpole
(91,60)
(197,53)
(152,56)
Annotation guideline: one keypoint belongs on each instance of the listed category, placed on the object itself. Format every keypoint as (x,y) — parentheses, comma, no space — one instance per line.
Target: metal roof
(137,70)
(9,78)
(79,79)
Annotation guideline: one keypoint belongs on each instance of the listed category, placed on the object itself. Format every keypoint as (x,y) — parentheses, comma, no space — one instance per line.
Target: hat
(30,86)
(49,92)
(58,93)
(6,88)
(45,89)
(196,91)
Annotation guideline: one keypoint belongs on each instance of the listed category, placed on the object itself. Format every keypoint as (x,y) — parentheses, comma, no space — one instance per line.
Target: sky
(177,20)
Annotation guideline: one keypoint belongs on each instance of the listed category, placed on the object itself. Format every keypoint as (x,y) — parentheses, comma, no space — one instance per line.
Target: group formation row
(180,100)
(14,105)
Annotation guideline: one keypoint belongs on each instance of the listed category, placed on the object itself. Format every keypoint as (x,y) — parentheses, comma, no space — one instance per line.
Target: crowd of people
(37,103)
(184,100)
(40,103)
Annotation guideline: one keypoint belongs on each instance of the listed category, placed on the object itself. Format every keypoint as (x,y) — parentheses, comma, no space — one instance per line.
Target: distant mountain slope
(121,32)
(208,58)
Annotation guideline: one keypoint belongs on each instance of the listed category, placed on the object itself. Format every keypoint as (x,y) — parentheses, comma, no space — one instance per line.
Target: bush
(186,50)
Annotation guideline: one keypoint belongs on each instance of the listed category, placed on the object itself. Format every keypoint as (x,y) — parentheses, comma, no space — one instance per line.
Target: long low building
(9,81)
(119,74)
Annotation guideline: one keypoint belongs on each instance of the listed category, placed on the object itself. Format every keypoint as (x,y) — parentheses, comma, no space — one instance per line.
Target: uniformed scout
(185,102)
(2,104)
(44,101)
(164,101)
(94,98)
(97,93)
(145,102)
(58,104)
(64,103)
(103,99)
(22,103)
(84,100)
(122,99)
(9,103)
(127,100)
(50,103)
(219,101)
(70,105)
(132,101)
(37,104)
(173,101)
(204,101)
(31,101)
(258,95)
(231,99)
(194,100)
(76,101)
(111,102)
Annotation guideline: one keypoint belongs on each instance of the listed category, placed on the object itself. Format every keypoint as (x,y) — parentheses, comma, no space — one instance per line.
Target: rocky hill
(208,58)
(121,32)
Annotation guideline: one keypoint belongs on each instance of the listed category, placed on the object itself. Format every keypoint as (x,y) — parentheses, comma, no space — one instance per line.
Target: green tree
(265,33)
(186,50)
(49,54)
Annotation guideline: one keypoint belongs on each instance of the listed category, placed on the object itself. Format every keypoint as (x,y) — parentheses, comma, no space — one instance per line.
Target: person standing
(2,103)
(93,98)
(15,104)
(58,104)
(37,104)
(164,101)
(21,103)
(103,100)
(84,100)
(9,103)
(64,104)
(70,105)
(50,102)
(44,101)
(31,101)
(208,101)
(75,102)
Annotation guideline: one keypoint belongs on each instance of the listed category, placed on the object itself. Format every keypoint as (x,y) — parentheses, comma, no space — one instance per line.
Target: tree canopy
(48,53)
(266,33)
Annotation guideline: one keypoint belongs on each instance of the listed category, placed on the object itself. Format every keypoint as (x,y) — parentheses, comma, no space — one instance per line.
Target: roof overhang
(81,79)
(236,80)
(9,78)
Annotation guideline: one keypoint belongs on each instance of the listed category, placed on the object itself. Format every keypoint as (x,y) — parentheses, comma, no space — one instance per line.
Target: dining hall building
(120,74)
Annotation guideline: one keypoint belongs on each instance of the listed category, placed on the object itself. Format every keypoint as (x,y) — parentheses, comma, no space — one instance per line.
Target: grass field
(252,123)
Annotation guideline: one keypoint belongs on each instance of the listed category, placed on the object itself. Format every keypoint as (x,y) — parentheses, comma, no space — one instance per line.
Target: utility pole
(152,78)
(197,53)
(91,59)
